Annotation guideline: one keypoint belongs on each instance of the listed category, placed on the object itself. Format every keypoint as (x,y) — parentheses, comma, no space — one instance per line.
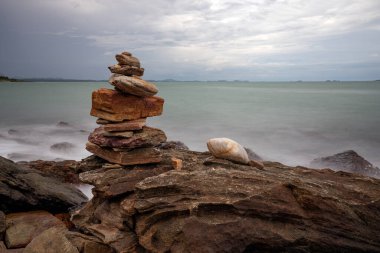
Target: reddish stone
(115,106)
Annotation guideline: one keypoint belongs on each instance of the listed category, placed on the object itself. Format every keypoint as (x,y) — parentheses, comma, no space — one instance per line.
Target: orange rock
(177,163)
(115,106)
(125,125)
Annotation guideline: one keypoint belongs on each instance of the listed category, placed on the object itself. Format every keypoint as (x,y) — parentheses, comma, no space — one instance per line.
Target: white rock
(227,149)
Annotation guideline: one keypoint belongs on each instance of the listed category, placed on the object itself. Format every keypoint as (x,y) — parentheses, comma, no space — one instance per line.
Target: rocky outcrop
(348,161)
(24,189)
(214,205)
(2,225)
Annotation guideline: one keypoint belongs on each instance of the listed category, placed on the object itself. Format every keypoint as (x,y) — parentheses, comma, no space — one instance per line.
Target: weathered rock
(23,189)
(87,244)
(63,124)
(133,85)
(125,59)
(115,106)
(126,70)
(102,121)
(348,161)
(126,134)
(3,249)
(173,145)
(2,225)
(177,163)
(227,149)
(64,171)
(146,137)
(111,227)
(62,147)
(130,125)
(52,240)
(23,227)
(130,157)
(115,182)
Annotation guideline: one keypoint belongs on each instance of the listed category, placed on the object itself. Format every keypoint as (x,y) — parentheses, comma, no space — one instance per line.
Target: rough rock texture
(214,205)
(348,161)
(125,59)
(23,227)
(130,157)
(23,189)
(136,124)
(2,225)
(126,70)
(115,106)
(147,137)
(64,171)
(3,249)
(133,85)
(52,240)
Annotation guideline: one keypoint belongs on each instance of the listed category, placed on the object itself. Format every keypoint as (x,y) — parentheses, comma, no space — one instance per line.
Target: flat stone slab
(115,106)
(130,125)
(126,70)
(147,137)
(132,157)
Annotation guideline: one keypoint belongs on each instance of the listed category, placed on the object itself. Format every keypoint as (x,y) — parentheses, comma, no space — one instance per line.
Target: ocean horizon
(288,122)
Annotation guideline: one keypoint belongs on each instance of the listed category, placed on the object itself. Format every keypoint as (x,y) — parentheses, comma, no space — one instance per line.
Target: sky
(256,40)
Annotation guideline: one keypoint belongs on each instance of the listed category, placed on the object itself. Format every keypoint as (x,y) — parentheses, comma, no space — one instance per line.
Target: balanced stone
(126,70)
(132,157)
(125,59)
(227,149)
(102,121)
(133,85)
(146,137)
(136,124)
(115,106)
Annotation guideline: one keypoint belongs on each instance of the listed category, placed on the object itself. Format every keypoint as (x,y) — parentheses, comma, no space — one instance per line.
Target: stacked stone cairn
(123,137)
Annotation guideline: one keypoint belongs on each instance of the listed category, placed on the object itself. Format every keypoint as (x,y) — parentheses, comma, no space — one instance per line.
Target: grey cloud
(209,39)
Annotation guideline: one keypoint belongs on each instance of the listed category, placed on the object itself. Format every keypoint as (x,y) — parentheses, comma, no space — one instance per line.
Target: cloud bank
(193,40)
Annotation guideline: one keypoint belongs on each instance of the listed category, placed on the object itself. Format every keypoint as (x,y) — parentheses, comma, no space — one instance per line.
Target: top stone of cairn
(126,58)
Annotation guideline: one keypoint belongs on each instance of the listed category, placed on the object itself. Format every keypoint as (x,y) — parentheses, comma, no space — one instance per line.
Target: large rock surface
(23,189)
(214,205)
(23,227)
(133,85)
(115,106)
(348,161)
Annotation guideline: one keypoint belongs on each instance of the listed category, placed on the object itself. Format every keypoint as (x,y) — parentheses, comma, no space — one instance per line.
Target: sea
(288,122)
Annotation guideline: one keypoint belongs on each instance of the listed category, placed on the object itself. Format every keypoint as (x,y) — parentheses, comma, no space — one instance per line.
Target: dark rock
(125,125)
(348,161)
(62,147)
(3,249)
(147,137)
(13,132)
(63,124)
(24,189)
(173,145)
(2,225)
(221,206)
(64,171)
(87,244)
(252,155)
(23,227)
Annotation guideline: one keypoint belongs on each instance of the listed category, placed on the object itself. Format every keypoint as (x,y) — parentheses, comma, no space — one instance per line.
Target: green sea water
(289,122)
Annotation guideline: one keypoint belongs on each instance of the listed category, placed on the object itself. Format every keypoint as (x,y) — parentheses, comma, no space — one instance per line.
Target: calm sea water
(291,123)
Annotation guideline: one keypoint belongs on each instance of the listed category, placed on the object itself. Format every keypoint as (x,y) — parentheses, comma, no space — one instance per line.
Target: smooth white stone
(227,149)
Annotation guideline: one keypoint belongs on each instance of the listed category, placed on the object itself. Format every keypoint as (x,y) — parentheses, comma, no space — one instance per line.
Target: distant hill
(7,79)
(58,80)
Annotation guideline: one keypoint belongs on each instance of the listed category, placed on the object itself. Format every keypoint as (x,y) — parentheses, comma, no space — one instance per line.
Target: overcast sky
(259,40)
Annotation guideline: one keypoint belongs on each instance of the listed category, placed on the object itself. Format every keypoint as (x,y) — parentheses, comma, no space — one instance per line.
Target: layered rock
(24,189)
(123,137)
(348,161)
(214,205)
(115,106)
